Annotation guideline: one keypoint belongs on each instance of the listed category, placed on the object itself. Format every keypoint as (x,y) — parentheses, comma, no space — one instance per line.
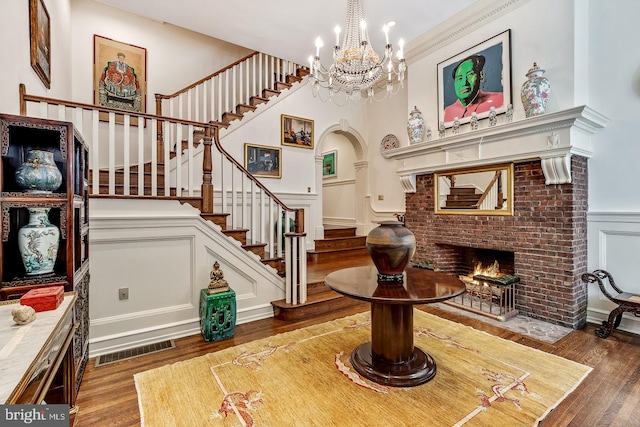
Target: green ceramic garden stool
(217,315)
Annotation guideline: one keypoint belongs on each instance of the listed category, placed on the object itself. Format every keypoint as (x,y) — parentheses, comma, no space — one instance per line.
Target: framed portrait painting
(119,75)
(475,80)
(40,33)
(263,161)
(330,164)
(296,131)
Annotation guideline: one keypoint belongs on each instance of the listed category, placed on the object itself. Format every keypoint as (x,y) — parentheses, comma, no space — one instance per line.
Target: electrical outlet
(123,293)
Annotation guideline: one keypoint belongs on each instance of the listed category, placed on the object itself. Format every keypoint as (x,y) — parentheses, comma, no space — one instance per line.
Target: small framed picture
(40,30)
(263,161)
(475,80)
(296,131)
(330,164)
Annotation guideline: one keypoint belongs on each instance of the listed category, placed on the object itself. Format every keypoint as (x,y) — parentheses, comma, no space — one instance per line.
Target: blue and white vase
(38,242)
(38,173)
(535,92)
(415,126)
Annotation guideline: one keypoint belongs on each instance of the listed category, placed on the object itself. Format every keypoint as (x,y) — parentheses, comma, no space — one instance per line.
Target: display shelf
(68,211)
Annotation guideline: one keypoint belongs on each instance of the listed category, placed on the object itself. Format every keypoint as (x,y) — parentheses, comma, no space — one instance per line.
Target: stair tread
(321,251)
(316,298)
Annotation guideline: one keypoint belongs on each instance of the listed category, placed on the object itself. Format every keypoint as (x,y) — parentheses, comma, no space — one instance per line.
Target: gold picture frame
(40,33)
(484,190)
(263,161)
(296,131)
(119,76)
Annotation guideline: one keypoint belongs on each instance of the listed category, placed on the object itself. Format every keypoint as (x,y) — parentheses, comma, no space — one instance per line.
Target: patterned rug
(304,378)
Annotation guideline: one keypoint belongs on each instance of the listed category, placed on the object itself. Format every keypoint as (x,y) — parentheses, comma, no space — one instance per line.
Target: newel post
(299,221)
(159,126)
(23,103)
(207,168)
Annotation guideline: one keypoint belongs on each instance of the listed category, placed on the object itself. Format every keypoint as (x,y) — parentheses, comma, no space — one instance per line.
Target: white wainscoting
(614,245)
(163,252)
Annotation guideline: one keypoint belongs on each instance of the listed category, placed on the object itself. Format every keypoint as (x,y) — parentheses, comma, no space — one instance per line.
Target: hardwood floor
(609,396)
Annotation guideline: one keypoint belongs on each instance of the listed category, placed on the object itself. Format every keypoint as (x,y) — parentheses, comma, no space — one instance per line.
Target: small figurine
(474,121)
(509,113)
(217,283)
(441,129)
(456,125)
(492,116)
(428,133)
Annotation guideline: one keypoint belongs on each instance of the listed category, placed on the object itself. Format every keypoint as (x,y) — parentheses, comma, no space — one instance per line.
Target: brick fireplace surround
(547,235)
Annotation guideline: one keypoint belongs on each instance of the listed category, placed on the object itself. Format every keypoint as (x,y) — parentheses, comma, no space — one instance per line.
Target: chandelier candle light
(356,66)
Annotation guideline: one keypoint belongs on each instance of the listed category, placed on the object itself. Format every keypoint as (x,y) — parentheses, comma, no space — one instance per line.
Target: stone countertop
(21,345)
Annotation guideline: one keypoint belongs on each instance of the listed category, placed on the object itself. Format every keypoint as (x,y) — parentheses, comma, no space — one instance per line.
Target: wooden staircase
(217,218)
(340,248)
(462,198)
(338,242)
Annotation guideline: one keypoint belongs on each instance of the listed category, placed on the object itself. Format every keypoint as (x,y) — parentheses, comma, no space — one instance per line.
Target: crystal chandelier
(356,66)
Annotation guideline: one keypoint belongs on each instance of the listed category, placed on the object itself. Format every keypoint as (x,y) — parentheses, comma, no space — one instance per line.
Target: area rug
(304,378)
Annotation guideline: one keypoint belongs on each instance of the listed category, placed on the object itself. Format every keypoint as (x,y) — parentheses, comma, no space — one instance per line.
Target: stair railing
(125,139)
(491,198)
(126,145)
(222,91)
(251,205)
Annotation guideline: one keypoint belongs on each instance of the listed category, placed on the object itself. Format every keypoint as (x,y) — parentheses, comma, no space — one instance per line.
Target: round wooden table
(391,358)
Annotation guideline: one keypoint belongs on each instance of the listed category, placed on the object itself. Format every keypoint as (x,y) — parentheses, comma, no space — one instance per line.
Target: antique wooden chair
(626,302)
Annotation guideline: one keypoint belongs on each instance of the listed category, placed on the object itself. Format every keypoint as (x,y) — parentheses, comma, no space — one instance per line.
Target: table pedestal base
(418,369)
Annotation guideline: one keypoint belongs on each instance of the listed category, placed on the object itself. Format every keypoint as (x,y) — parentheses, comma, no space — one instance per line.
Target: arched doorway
(344,191)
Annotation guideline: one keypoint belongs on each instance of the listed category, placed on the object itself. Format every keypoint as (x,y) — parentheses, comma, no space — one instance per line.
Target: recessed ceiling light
(390,24)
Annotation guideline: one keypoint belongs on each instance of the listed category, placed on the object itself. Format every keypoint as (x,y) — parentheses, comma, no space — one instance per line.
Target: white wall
(14,48)
(170,66)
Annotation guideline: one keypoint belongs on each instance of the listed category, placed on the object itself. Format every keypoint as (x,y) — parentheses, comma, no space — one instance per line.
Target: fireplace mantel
(553,138)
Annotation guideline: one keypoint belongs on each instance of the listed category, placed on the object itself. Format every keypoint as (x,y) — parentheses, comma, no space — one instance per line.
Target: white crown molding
(471,18)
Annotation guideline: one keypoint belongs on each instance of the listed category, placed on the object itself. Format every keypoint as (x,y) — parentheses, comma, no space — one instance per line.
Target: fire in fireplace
(490,292)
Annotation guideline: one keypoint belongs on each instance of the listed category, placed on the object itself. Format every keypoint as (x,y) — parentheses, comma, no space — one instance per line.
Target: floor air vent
(134,352)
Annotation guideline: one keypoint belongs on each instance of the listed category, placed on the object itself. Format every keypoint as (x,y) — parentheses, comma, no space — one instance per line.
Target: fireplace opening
(489,277)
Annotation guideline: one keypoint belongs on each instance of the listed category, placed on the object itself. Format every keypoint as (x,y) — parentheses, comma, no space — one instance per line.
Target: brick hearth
(547,235)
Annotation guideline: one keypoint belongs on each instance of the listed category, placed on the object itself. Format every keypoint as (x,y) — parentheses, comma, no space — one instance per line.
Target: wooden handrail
(299,212)
(24,97)
(204,79)
(486,190)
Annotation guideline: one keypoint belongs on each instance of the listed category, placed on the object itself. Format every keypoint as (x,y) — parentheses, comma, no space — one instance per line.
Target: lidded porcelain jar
(535,92)
(415,126)
(38,173)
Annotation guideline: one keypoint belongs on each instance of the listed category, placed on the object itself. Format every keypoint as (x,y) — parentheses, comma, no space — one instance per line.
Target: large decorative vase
(535,92)
(391,246)
(38,242)
(415,126)
(38,173)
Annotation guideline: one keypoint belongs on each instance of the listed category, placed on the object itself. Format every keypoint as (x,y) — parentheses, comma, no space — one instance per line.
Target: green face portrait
(466,82)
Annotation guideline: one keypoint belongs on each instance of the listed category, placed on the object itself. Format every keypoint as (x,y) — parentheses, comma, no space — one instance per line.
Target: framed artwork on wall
(475,80)
(119,76)
(296,131)
(330,164)
(40,33)
(263,161)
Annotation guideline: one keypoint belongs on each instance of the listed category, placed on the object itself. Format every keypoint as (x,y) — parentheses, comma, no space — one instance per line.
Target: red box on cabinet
(43,299)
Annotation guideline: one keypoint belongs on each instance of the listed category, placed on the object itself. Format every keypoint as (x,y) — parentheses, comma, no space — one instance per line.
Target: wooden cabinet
(68,211)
